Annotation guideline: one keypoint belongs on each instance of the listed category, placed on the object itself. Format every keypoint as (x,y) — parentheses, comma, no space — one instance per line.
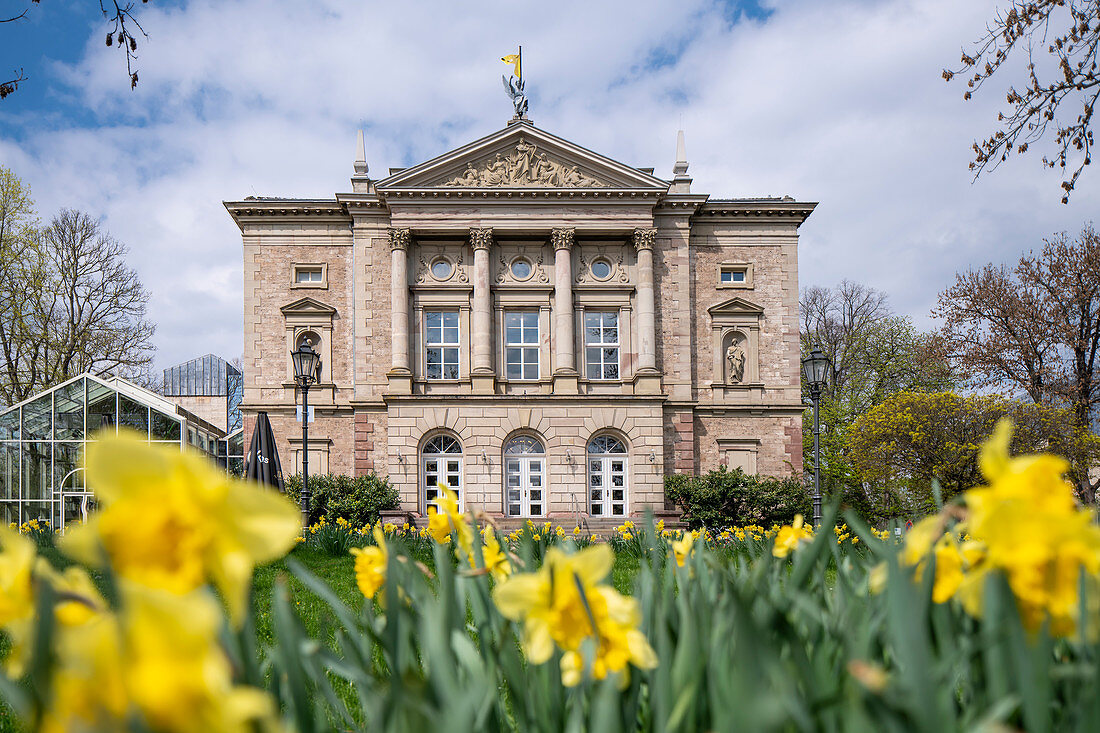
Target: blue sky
(839,102)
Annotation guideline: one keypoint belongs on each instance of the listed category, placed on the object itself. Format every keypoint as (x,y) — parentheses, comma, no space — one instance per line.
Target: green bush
(358,499)
(726,498)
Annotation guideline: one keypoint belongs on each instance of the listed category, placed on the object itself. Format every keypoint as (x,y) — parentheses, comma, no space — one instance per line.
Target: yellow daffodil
(370,564)
(681,548)
(564,604)
(17,557)
(161,658)
(787,538)
(444,517)
(496,559)
(173,520)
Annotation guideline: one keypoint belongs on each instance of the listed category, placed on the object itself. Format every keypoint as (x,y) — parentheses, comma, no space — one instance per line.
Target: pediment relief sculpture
(524,167)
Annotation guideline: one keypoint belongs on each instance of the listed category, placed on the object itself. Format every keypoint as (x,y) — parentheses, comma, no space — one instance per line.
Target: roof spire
(360,155)
(360,182)
(681,181)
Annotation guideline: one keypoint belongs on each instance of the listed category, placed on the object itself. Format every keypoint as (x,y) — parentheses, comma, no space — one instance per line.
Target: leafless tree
(70,304)
(119,17)
(1056,100)
(1034,328)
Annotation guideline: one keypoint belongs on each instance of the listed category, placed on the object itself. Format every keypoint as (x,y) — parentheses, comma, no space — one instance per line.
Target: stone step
(588,524)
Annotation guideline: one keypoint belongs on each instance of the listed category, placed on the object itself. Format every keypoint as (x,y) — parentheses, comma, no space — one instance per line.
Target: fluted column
(400,376)
(565,362)
(481,346)
(647,322)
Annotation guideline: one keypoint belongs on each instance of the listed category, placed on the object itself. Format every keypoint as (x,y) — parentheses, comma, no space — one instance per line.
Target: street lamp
(815,367)
(307,369)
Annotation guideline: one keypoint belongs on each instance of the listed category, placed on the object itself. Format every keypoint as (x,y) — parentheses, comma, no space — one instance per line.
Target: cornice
(449,195)
(309,208)
(786,208)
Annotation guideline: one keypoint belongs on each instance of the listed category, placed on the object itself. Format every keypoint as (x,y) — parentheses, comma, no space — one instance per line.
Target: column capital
(400,237)
(644,238)
(562,238)
(481,238)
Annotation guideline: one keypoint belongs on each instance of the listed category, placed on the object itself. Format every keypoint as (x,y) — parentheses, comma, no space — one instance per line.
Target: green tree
(913,438)
(873,353)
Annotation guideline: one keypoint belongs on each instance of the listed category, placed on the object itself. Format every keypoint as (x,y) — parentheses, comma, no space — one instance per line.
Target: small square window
(309,276)
(735,276)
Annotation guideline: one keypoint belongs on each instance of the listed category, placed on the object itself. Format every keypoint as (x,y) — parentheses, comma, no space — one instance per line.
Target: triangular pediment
(307,307)
(521,156)
(736,307)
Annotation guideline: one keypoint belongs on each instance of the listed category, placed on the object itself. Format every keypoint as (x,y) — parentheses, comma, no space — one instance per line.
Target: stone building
(545,329)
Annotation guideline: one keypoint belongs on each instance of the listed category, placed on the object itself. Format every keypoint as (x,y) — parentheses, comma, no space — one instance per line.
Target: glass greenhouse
(42,440)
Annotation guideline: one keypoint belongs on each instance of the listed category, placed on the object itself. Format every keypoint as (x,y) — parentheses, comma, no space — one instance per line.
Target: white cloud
(838,102)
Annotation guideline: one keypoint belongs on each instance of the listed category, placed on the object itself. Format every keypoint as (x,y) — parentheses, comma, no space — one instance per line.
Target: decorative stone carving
(534,256)
(481,238)
(644,238)
(400,238)
(735,360)
(614,256)
(524,167)
(562,238)
(427,255)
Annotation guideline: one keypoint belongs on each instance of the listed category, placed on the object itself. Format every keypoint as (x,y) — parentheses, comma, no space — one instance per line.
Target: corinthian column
(565,363)
(648,379)
(400,376)
(482,372)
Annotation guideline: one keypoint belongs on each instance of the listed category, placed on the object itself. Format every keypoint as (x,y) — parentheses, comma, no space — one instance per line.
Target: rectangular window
(735,275)
(441,344)
(521,345)
(310,275)
(601,345)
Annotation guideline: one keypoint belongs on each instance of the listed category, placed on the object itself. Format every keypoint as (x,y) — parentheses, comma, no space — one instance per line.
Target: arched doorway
(524,477)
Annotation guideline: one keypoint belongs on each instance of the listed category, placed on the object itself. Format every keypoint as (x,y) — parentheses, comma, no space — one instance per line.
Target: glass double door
(524,486)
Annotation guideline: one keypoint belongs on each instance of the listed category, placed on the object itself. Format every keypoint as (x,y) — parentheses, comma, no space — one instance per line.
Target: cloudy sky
(837,101)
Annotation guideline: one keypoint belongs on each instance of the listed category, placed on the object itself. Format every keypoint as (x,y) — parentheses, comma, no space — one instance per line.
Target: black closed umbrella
(261,463)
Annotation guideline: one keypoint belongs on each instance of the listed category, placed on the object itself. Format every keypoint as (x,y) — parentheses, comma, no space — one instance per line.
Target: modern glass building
(42,440)
(208,386)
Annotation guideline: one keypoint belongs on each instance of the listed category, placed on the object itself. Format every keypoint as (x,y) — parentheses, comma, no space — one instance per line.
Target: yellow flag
(513,59)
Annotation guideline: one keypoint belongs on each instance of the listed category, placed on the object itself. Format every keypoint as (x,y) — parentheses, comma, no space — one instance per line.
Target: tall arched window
(607,476)
(441,463)
(524,477)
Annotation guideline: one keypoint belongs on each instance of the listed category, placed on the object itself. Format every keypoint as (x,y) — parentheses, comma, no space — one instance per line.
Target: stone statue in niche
(735,361)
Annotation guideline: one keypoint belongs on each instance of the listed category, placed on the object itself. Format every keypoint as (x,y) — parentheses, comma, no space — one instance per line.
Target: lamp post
(815,367)
(307,368)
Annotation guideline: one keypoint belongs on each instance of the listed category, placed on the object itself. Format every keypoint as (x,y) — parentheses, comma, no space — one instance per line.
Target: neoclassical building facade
(544,329)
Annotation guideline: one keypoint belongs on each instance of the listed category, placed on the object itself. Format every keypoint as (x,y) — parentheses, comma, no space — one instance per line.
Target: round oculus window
(601,269)
(521,269)
(441,269)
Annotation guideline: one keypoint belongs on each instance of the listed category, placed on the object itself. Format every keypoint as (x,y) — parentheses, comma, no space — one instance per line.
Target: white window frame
(601,345)
(527,346)
(450,474)
(444,345)
(529,470)
(745,268)
(320,269)
(601,472)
